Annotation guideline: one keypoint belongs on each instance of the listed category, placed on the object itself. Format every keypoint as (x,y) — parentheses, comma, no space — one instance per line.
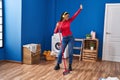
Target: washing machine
(55,45)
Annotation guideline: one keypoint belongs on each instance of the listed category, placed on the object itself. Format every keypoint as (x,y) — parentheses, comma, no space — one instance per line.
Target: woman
(64,27)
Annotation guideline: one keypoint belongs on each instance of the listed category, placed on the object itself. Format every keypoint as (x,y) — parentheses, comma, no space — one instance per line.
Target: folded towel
(32,47)
(112,78)
(109,78)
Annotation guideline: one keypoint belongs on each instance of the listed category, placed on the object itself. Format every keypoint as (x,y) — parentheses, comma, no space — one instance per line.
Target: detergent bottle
(93,34)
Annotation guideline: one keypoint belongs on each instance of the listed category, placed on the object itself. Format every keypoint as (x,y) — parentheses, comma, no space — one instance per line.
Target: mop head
(66,72)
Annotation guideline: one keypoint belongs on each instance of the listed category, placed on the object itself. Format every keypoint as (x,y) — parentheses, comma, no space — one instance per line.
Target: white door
(111,42)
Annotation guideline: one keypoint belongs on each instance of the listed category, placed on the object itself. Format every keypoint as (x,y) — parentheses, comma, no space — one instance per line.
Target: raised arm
(75,15)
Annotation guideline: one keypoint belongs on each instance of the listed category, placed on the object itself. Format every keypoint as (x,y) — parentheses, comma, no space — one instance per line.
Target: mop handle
(62,51)
(62,48)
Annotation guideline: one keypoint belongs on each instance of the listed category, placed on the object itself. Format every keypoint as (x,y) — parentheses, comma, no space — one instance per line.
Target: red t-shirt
(64,26)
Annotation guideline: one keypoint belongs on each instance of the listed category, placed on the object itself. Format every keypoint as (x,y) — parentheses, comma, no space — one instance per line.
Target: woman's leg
(70,51)
(64,44)
(59,59)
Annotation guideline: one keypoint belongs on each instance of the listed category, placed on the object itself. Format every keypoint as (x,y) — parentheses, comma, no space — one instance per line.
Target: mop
(65,72)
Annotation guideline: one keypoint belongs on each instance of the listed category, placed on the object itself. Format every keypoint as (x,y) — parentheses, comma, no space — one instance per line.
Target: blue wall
(51,16)
(91,17)
(34,22)
(12,27)
(2,54)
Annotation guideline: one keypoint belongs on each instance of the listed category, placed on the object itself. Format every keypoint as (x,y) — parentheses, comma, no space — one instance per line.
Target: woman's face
(66,17)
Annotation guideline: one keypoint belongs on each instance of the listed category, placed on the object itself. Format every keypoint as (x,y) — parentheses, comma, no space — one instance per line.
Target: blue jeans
(68,40)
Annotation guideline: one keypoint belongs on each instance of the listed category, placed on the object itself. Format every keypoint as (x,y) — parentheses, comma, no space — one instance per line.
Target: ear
(63,16)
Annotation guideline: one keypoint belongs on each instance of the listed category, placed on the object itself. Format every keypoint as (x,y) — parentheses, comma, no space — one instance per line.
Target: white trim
(107,4)
(104,36)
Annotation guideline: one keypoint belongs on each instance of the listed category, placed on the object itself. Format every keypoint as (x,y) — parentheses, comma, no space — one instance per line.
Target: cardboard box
(30,57)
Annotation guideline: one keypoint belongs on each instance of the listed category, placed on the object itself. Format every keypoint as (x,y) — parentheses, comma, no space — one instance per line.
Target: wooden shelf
(87,50)
(91,39)
(76,54)
(89,60)
(77,39)
(77,48)
(90,55)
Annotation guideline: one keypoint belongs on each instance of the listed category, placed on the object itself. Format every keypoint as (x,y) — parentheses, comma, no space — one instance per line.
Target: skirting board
(11,61)
(2,60)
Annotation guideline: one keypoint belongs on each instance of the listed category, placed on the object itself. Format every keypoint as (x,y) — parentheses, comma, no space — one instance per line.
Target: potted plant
(88,36)
(92,45)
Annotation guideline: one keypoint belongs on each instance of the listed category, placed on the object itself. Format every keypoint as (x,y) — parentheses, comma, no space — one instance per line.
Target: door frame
(104,57)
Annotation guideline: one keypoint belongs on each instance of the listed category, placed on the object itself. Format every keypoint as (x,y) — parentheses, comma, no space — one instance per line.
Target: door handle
(108,33)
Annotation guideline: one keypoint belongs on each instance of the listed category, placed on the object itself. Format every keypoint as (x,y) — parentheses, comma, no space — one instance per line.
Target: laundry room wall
(25,22)
(34,22)
(51,16)
(12,30)
(90,18)
(2,54)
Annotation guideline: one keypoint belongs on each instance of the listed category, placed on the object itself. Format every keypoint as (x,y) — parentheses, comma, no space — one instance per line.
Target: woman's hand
(81,7)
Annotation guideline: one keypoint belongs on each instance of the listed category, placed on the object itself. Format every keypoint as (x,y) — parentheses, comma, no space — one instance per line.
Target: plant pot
(88,37)
(91,48)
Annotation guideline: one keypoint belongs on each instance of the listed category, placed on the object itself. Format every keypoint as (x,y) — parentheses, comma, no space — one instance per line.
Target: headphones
(64,14)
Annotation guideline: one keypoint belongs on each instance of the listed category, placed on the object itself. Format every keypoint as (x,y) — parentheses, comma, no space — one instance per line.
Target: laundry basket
(48,56)
(31,55)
